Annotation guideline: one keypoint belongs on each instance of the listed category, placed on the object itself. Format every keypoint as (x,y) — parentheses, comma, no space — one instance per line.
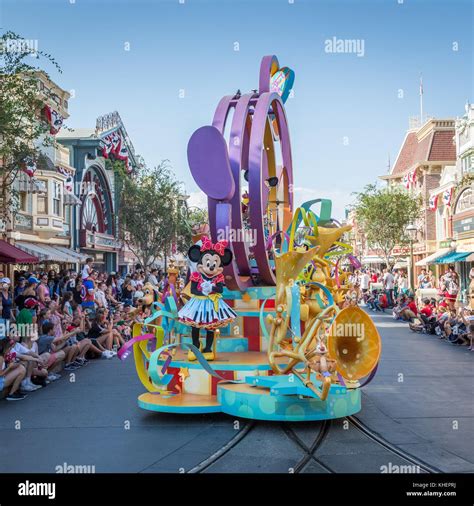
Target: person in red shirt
(410,311)
(427,309)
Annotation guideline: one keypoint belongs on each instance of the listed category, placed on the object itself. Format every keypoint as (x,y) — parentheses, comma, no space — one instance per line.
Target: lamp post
(411,232)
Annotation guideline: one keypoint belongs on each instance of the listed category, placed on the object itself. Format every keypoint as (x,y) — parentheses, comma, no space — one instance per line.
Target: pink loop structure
(259,146)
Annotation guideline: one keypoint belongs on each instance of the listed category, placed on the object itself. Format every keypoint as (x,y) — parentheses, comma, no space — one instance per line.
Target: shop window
(57,199)
(42,204)
(465,201)
(23,202)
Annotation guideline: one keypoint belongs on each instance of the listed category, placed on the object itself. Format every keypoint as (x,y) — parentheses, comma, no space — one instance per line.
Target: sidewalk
(422,398)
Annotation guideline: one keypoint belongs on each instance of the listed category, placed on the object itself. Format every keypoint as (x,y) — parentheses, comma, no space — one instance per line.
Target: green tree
(151,219)
(22,130)
(383,215)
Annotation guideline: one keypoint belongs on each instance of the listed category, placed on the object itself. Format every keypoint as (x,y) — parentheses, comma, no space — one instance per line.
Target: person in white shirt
(388,284)
(152,277)
(100,298)
(87,269)
(364,282)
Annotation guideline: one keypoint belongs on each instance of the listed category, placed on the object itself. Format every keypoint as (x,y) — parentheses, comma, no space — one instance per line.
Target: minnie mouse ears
(195,252)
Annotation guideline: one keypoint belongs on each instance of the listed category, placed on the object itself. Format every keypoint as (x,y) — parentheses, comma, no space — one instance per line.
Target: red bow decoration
(10,357)
(218,247)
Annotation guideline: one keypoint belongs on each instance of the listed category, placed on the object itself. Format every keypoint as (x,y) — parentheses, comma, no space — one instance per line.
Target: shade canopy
(46,253)
(10,254)
(431,259)
(453,257)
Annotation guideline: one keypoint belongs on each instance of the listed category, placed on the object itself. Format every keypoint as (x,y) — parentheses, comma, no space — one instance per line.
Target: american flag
(447,197)
(433,202)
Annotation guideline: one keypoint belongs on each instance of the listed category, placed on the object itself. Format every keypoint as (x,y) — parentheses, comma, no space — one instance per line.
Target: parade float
(296,346)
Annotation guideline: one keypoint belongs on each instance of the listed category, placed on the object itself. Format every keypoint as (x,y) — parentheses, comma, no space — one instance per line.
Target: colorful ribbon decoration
(158,379)
(127,348)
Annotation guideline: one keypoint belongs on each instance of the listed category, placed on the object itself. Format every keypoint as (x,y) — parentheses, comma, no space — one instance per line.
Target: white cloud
(197,199)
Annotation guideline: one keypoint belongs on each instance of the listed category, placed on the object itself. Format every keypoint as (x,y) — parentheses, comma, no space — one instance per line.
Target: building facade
(426,154)
(42,226)
(97,187)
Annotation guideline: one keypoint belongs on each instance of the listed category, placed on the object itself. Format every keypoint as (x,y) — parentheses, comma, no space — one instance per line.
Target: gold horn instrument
(354,342)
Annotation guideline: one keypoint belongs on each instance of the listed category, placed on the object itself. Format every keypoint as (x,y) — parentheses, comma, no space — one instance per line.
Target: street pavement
(421,400)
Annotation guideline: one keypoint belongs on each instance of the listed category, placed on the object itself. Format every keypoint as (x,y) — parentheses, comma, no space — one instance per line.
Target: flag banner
(69,183)
(107,146)
(116,140)
(55,120)
(406,181)
(412,177)
(29,166)
(123,153)
(447,194)
(433,205)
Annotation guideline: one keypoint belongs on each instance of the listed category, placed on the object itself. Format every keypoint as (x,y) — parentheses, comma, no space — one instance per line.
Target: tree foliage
(383,215)
(154,220)
(22,130)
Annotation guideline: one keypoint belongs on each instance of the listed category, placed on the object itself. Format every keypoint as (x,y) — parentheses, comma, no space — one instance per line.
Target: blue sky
(190,46)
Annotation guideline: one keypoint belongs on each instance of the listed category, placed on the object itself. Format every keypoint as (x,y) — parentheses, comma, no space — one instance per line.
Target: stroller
(424,325)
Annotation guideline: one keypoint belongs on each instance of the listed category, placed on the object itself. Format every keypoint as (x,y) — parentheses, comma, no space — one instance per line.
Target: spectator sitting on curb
(12,373)
(410,311)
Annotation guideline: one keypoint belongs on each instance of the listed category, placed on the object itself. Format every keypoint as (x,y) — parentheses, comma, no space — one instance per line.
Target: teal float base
(257,403)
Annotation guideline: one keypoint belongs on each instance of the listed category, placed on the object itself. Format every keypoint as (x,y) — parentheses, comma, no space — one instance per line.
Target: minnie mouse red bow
(218,247)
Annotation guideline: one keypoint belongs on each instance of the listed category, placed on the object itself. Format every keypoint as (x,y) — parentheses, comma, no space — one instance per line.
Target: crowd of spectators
(442,315)
(61,320)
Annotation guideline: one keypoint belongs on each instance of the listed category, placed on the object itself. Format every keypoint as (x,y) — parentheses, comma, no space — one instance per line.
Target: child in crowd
(12,373)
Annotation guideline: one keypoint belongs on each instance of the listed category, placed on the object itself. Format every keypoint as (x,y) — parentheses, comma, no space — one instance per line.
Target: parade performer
(206,309)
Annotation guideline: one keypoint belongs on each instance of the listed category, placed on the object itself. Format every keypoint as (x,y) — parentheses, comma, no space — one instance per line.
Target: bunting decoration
(69,183)
(54,119)
(29,166)
(114,144)
(107,146)
(433,203)
(116,140)
(406,181)
(409,179)
(447,194)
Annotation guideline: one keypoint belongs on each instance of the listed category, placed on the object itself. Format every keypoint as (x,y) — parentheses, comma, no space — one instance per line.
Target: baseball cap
(5,280)
(138,294)
(32,279)
(21,278)
(30,303)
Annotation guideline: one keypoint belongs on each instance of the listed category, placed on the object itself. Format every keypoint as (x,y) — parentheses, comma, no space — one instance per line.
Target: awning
(401,264)
(372,260)
(430,259)
(48,253)
(79,257)
(453,257)
(10,254)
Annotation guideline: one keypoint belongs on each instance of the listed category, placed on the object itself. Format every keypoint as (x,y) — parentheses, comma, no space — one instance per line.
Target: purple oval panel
(208,160)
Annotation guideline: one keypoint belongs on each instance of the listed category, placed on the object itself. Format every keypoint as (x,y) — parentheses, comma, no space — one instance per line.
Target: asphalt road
(421,400)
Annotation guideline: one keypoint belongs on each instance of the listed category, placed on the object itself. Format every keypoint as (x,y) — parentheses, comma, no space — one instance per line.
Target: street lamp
(411,232)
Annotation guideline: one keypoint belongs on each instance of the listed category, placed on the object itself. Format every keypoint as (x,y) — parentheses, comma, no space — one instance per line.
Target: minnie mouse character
(206,309)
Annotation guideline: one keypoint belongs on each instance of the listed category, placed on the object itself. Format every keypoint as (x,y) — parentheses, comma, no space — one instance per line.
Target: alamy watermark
(18,329)
(66,468)
(356,330)
(246,235)
(19,46)
(399,469)
(346,46)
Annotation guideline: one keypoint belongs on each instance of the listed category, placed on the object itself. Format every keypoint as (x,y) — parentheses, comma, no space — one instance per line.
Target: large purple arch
(250,147)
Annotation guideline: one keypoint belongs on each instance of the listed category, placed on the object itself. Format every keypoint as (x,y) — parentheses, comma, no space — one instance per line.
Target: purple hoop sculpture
(258,125)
